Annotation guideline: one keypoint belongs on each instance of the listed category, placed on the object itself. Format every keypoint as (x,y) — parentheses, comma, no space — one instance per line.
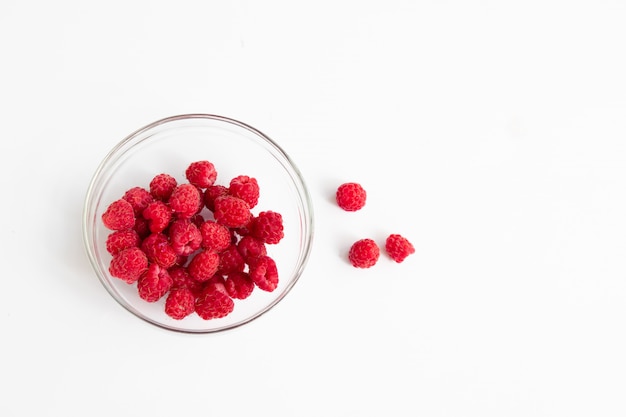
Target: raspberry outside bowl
(235,148)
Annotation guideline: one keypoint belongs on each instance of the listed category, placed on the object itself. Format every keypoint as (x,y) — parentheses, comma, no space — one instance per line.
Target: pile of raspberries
(163,240)
(364,253)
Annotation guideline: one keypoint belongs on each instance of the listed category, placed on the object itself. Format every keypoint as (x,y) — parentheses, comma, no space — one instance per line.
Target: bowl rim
(296,177)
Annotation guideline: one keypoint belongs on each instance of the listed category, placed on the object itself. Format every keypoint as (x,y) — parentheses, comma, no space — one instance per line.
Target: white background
(492,134)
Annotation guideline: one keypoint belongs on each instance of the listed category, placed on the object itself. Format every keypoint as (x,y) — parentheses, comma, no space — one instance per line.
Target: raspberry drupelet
(364,253)
(351,196)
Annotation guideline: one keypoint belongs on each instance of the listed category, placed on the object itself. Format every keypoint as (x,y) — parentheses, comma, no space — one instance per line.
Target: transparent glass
(235,148)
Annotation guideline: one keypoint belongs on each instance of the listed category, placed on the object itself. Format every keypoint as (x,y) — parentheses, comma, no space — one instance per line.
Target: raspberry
(181,279)
(202,174)
(158,250)
(142,227)
(162,240)
(119,215)
(216,279)
(154,283)
(268,227)
(162,185)
(185,201)
(243,230)
(197,219)
(203,266)
(231,211)
(246,188)
(364,253)
(351,196)
(180,303)
(264,273)
(215,236)
(398,247)
(120,240)
(239,285)
(231,261)
(158,215)
(214,303)
(251,248)
(211,193)
(129,264)
(139,198)
(185,237)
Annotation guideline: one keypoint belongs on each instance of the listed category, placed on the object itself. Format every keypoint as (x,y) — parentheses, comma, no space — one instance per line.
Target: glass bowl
(235,148)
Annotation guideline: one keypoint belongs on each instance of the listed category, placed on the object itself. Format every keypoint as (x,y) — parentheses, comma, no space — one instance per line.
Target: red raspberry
(239,285)
(162,185)
(158,215)
(264,273)
(364,253)
(211,193)
(180,303)
(268,227)
(119,215)
(246,188)
(197,219)
(185,237)
(351,196)
(158,250)
(139,198)
(231,211)
(216,279)
(154,283)
(142,227)
(185,201)
(231,261)
(202,174)
(214,303)
(120,240)
(181,260)
(243,230)
(129,264)
(398,247)
(251,248)
(203,266)
(215,236)
(181,279)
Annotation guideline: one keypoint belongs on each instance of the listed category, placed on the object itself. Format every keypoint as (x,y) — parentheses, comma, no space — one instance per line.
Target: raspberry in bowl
(198,223)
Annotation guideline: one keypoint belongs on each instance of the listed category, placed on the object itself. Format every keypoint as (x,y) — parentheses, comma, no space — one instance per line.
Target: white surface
(492,134)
